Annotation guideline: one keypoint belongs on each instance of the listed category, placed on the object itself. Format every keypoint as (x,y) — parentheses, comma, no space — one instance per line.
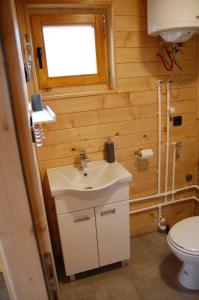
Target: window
(65,55)
(69,49)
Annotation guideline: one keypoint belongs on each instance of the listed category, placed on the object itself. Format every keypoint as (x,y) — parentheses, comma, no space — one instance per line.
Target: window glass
(70,50)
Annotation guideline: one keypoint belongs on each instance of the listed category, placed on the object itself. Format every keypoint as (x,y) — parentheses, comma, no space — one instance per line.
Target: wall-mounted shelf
(44,116)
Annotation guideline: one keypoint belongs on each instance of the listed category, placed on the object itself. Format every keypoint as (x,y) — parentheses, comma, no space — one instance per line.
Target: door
(9,35)
(79,241)
(113,232)
(18,247)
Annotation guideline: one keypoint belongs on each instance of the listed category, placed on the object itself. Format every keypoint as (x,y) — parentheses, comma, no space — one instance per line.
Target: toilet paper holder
(137,153)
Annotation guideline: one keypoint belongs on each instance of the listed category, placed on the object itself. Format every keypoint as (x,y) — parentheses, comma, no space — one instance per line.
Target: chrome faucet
(84,160)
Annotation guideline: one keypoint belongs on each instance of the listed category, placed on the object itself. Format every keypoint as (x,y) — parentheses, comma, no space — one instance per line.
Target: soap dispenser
(110,153)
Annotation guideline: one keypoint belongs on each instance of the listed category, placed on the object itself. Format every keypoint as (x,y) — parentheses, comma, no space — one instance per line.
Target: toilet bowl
(183,240)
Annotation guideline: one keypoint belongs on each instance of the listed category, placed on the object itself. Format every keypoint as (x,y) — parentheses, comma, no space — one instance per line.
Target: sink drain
(88,188)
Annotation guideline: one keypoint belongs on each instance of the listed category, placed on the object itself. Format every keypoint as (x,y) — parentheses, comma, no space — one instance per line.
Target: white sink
(100,176)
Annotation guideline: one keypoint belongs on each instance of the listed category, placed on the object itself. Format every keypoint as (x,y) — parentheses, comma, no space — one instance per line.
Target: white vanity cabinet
(97,234)
(93,214)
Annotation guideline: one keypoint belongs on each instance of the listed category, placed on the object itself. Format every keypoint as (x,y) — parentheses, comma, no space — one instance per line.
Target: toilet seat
(180,249)
(184,236)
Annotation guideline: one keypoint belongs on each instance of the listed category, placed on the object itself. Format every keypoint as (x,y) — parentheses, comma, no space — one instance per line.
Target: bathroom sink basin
(99,176)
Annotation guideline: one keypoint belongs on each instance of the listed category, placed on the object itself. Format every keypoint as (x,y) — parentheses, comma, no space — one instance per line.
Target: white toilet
(183,240)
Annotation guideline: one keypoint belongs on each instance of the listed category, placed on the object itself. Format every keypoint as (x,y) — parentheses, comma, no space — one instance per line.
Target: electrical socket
(177,121)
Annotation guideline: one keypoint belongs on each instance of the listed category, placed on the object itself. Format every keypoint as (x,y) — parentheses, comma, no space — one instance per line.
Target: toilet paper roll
(145,154)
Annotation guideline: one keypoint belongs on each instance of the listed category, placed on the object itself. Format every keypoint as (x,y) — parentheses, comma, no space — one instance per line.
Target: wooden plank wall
(129,115)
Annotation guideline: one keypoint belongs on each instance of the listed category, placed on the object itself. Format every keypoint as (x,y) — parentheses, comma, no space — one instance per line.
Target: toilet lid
(185,234)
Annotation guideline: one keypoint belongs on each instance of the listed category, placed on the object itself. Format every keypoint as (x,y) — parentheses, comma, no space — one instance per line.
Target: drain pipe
(167,139)
(176,145)
(174,170)
(196,198)
(186,188)
(156,206)
(159,206)
(161,221)
(159,171)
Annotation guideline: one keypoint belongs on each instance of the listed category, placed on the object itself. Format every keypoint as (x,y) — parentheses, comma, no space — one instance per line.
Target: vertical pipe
(159,212)
(174,170)
(167,138)
(159,135)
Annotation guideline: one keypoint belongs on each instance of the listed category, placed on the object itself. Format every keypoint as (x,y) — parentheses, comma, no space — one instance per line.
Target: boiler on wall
(174,20)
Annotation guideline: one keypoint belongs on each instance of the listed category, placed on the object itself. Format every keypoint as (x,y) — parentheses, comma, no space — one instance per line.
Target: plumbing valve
(172,111)
(161,224)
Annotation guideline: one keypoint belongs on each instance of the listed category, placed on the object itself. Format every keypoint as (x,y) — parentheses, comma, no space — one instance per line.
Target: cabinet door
(79,241)
(113,232)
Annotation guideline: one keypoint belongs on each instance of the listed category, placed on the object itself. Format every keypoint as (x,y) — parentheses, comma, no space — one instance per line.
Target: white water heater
(174,20)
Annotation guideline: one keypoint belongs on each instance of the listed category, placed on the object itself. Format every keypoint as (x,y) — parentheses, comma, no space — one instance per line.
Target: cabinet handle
(108,212)
(81,219)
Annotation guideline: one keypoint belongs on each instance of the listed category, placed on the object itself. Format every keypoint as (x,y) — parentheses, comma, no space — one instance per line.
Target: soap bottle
(110,153)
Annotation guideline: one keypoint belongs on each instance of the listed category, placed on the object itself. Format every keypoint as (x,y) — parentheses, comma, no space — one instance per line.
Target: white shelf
(44,116)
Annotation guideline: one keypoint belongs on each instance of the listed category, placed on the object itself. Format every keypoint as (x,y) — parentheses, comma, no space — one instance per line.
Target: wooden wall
(129,114)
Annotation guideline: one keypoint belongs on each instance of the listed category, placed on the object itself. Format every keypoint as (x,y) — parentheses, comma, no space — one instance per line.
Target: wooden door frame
(18,106)
(18,246)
